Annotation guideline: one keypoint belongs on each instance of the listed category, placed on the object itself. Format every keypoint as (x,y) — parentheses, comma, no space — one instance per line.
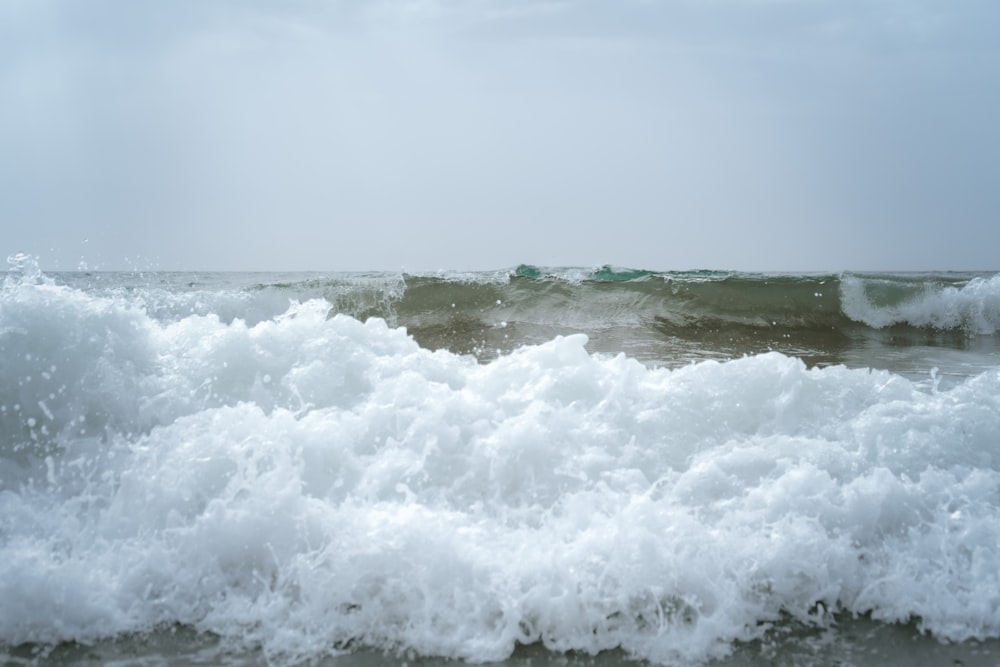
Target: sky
(423,135)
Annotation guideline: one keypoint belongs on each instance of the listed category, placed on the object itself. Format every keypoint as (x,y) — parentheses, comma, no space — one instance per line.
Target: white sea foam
(250,297)
(308,482)
(973,306)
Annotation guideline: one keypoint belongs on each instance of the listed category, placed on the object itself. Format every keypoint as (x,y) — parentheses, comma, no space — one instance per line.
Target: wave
(310,482)
(679,317)
(705,300)
(969,304)
(584,299)
(908,323)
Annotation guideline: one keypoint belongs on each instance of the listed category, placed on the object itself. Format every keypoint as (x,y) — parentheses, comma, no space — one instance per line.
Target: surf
(308,482)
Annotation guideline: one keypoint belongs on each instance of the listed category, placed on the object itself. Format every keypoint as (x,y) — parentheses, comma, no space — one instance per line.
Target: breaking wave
(304,482)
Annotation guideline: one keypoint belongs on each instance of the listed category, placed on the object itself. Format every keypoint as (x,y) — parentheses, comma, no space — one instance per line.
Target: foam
(252,298)
(307,483)
(973,306)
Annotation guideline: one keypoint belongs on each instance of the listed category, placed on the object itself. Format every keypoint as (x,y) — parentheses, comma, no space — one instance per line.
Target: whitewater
(667,466)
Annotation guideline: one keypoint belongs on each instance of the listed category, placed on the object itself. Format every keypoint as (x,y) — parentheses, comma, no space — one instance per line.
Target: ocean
(536,466)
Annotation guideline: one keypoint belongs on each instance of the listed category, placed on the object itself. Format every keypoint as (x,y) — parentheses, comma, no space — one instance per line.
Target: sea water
(672,467)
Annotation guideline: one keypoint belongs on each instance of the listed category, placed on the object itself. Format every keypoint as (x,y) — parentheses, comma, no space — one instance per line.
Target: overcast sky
(479,134)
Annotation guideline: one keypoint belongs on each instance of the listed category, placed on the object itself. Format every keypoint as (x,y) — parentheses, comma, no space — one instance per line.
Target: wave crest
(973,306)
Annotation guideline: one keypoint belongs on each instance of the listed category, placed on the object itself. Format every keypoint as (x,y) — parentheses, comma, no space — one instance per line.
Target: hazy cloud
(760,134)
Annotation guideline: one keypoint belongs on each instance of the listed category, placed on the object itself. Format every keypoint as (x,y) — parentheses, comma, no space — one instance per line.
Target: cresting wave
(668,318)
(970,302)
(308,482)
(972,305)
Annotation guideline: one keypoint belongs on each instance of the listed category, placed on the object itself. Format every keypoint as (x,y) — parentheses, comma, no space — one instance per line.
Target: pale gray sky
(479,134)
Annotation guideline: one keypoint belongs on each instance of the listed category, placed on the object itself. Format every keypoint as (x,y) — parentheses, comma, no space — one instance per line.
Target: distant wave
(706,299)
(585,298)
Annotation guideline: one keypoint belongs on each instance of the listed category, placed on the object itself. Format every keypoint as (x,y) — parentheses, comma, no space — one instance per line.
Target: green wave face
(660,317)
